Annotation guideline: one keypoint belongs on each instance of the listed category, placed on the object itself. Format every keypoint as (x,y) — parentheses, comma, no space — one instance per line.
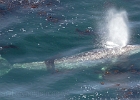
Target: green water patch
(79,76)
(22,76)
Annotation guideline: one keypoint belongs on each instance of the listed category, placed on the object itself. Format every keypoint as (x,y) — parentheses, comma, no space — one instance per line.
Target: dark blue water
(36,32)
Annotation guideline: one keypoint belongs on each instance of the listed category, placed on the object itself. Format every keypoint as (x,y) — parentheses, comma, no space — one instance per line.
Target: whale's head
(130,49)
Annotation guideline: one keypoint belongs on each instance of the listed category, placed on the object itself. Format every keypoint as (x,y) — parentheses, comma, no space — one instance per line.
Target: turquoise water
(60,28)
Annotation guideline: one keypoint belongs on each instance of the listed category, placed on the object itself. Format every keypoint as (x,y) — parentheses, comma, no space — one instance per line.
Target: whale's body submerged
(85,59)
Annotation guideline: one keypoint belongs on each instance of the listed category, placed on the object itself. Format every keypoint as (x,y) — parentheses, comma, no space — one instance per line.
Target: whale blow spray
(117,28)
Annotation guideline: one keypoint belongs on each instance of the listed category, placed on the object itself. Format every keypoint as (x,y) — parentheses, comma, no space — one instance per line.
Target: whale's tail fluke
(5,66)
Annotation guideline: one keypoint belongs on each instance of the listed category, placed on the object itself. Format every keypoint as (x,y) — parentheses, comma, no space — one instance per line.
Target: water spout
(117,28)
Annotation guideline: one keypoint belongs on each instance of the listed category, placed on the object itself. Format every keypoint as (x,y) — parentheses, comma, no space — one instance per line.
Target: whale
(82,60)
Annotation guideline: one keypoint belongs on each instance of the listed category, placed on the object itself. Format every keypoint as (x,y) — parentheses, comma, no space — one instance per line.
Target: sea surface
(45,29)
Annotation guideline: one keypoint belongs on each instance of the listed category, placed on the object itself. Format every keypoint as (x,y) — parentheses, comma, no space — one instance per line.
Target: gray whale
(82,60)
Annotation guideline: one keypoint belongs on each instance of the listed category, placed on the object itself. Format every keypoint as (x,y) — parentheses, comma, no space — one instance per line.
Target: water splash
(117,28)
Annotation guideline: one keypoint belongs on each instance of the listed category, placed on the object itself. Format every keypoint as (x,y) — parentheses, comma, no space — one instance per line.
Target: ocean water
(32,33)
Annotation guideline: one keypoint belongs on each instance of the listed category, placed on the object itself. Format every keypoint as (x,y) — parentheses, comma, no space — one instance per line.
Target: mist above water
(117,28)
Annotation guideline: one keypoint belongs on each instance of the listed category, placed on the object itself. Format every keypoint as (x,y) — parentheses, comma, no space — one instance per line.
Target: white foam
(110,44)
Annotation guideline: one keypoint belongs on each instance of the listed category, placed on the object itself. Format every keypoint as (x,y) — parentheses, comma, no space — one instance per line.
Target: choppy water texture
(31,32)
